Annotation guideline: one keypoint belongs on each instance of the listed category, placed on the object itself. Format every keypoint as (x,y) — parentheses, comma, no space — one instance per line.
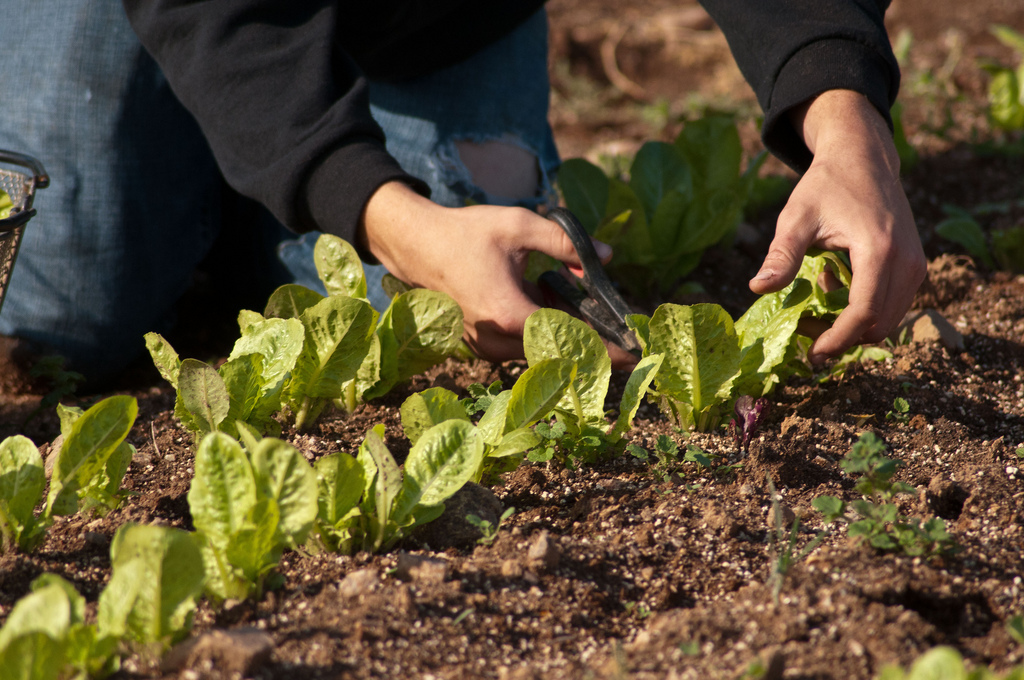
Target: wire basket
(21,187)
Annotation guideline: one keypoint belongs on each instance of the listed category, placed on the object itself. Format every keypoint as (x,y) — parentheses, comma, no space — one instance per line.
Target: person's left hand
(849,199)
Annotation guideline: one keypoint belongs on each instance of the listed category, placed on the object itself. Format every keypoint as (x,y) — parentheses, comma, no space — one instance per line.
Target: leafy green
(247,508)
(45,636)
(679,200)
(369,504)
(157,574)
(1006,89)
(22,481)
(5,205)
(306,351)
(83,468)
(945,663)
(709,361)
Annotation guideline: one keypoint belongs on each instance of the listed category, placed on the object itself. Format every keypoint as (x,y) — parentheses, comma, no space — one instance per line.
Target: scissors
(598,301)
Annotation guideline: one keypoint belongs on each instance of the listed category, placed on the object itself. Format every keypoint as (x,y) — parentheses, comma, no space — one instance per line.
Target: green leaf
(290,301)
(537,391)
(387,479)
(830,506)
(660,169)
(243,382)
(223,489)
(966,232)
(203,394)
(338,332)
(636,387)
(418,331)
(93,438)
(442,461)
(47,610)
(164,357)
(32,656)
(640,324)
(157,572)
(585,190)
(282,474)
(340,480)
(257,548)
(22,481)
(516,442)
(702,356)
(553,334)
(712,146)
(279,343)
(339,267)
(493,424)
(422,410)
(766,332)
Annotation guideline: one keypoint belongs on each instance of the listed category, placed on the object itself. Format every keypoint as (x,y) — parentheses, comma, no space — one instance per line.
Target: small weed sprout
(900,411)
(880,523)
(782,560)
(63,383)
(488,531)
(480,397)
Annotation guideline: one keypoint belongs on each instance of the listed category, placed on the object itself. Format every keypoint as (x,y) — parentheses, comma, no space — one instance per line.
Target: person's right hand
(477,254)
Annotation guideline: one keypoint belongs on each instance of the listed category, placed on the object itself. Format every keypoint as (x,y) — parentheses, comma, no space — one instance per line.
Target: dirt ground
(632,569)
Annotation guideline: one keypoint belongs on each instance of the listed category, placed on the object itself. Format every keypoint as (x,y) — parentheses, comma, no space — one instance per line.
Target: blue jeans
(136,200)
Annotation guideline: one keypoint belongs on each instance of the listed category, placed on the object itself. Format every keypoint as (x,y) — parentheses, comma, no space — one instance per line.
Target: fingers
(794,234)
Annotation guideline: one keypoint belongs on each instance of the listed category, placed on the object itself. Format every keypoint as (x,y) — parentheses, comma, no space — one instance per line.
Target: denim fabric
(136,201)
(130,208)
(500,94)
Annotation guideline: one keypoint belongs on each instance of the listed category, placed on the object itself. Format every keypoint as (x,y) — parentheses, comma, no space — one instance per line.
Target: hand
(849,199)
(476,254)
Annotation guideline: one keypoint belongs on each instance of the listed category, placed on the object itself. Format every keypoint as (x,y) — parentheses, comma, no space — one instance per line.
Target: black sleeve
(285,111)
(792,50)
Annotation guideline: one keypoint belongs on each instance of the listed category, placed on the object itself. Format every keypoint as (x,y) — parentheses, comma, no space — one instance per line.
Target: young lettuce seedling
(248,506)
(367,503)
(709,360)
(306,351)
(87,472)
(680,199)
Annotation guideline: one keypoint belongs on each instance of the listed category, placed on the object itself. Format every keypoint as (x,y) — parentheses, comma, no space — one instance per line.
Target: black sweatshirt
(279,88)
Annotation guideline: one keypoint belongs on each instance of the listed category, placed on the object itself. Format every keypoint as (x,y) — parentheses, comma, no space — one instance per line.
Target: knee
(501,168)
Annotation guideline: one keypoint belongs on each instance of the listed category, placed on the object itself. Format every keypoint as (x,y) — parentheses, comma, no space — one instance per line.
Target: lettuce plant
(368,503)
(945,662)
(709,360)
(149,600)
(157,574)
(306,351)
(46,637)
(1006,89)
(248,506)
(87,472)
(567,379)
(679,200)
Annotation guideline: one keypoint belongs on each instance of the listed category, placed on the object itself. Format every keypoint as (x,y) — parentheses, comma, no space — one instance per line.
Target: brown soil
(646,571)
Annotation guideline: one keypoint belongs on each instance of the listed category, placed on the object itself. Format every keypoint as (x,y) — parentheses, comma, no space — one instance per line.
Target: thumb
(781,264)
(547,237)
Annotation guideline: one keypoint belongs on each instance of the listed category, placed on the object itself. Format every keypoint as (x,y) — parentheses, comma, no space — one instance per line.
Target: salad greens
(367,503)
(679,200)
(248,505)
(87,473)
(709,361)
(307,351)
